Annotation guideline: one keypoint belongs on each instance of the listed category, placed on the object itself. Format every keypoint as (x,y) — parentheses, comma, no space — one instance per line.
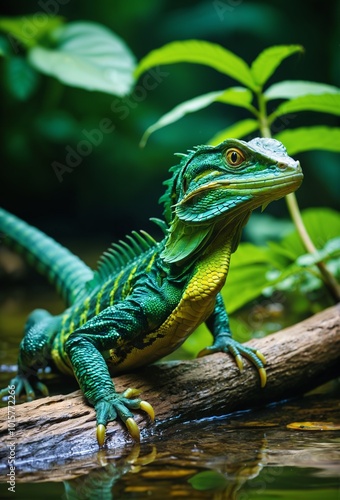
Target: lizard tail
(63,269)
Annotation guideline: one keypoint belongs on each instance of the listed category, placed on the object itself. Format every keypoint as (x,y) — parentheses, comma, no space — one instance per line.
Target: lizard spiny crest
(119,255)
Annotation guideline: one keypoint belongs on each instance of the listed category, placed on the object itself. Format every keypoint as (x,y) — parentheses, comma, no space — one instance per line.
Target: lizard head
(219,187)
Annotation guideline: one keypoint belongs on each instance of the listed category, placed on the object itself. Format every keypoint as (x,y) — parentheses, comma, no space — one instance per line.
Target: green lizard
(147,297)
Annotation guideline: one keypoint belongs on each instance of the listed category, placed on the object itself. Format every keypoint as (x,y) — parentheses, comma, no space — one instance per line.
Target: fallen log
(299,359)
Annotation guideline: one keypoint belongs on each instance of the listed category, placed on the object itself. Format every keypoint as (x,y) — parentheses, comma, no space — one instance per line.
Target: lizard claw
(145,406)
(119,405)
(133,429)
(263,376)
(101,431)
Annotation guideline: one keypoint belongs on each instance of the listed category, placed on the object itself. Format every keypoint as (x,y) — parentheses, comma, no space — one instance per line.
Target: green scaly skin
(147,297)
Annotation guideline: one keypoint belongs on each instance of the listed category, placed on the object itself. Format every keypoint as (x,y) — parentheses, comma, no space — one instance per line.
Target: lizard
(146,296)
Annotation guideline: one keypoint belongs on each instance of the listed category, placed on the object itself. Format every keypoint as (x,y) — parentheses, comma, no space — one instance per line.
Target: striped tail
(63,269)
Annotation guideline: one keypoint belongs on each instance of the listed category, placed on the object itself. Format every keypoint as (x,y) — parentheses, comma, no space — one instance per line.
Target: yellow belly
(196,305)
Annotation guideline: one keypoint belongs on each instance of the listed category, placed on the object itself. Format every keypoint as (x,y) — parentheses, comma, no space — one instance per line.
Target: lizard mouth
(271,182)
(284,185)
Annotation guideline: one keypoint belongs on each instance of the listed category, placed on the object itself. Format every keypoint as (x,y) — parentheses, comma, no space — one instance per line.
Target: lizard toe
(239,351)
(119,406)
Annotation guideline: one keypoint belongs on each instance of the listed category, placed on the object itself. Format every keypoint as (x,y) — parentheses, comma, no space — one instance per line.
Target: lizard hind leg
(34,354)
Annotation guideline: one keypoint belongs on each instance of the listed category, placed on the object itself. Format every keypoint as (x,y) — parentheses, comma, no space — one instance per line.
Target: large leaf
(308,138)
(89,56)
(245,284)
(267,61)
(237,96)
(236,131)
(323,103)
(247,275)
(199,52)
(289,89)
(30,29)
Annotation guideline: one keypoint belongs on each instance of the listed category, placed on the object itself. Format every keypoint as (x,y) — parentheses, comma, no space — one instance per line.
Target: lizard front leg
(218,324)
(114,329)
(34,354)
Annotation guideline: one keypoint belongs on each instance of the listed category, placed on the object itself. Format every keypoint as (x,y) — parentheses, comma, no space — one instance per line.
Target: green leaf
(89,56)
(323,103)
(289,89)
(199,52)
(236,131)
(237,95)
(181,110)
(247,275)
(21,78)
(30,29)
(310,138)
(266,63)
(244,285)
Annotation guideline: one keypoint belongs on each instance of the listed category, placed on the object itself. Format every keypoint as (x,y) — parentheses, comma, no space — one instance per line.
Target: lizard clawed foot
(119,405)
(22,383)
(231,346)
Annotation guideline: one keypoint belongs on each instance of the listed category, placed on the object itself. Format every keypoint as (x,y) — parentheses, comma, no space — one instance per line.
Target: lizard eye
(235,157)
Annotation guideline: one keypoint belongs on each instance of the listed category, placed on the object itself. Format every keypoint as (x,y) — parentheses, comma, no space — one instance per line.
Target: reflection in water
(98,483)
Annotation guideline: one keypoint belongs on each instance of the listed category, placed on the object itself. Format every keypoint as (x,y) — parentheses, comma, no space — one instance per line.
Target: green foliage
(324,103)
(266,63)
(300,96)
(87,55)
(284,265)
(199,52)
(290,89)
(237,96)
(79,54)
(27,31)
(304,139)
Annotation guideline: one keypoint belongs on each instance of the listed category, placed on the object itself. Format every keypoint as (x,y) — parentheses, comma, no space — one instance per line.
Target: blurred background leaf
(87,55)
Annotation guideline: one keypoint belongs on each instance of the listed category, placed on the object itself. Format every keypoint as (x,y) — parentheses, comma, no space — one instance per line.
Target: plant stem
(263,117)
(293,207)
(329,280)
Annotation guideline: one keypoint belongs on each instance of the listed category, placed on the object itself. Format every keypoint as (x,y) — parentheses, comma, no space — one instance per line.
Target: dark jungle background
(116,187)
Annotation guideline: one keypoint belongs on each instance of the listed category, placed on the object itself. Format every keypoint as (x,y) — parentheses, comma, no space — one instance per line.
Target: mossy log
(299,359)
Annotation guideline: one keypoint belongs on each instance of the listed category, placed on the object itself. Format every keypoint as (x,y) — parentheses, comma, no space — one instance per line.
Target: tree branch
(299,358)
